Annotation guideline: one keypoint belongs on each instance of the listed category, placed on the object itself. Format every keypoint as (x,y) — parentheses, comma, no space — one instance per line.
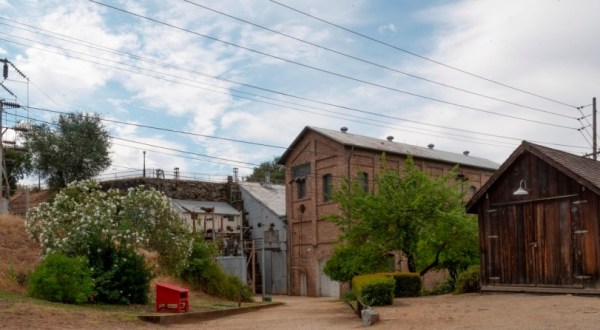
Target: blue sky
(187,67)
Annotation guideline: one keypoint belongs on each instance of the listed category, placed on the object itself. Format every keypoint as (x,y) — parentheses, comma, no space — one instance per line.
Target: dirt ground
(470,311)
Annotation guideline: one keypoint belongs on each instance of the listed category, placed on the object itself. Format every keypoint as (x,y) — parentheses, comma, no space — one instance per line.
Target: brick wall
(311,238)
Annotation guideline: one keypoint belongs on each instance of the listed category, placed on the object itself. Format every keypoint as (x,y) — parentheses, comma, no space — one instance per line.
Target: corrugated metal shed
(184,205)
(391,147)
(270,195)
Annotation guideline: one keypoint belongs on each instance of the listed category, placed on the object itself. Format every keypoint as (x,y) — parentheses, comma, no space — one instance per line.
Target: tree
(276,171)
(77,149)
(410,211)
(350,260)
(17,167)
(83,219)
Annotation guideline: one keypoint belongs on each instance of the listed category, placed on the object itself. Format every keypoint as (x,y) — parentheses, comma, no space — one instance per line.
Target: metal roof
(390,147)
(185,205)
(270,195)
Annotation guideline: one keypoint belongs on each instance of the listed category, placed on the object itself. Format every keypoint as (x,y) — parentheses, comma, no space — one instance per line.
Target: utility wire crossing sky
(208,86)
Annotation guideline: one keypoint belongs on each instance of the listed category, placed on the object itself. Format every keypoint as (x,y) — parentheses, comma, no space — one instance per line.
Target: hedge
(407,284)
(374,289)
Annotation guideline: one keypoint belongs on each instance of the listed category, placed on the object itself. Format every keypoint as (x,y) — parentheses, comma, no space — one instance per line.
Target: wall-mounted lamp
(521,190)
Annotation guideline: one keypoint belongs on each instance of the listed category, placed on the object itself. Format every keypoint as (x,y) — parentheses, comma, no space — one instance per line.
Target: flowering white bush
(82,217)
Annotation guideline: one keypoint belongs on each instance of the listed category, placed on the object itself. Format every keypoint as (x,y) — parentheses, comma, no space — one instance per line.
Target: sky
(209,86)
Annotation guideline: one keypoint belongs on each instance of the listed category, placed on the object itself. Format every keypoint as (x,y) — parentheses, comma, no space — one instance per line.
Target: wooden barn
(539,223)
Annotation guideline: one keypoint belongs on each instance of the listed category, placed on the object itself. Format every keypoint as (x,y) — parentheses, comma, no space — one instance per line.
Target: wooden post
(253,268)
(594,143)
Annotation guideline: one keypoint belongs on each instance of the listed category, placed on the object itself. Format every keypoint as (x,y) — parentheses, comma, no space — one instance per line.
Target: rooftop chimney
(466,152)
(430,146)
(390,138)
(344,129)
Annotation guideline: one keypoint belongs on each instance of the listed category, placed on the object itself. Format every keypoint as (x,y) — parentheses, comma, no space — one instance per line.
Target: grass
(18,257)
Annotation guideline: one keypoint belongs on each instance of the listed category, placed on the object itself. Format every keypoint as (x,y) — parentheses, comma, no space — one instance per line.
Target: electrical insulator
(5,71)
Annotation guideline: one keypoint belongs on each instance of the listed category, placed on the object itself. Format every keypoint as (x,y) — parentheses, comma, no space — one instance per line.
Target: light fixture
(521,190)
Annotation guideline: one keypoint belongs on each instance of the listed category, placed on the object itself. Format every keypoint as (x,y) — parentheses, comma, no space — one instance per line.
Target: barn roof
(390,147)
(583,170)
(270,195)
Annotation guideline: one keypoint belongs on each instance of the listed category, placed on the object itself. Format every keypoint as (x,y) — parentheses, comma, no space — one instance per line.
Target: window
(327,188)
(299,175)
(363,181)
(472,190)
(229,217)
(301,171)
(300,188)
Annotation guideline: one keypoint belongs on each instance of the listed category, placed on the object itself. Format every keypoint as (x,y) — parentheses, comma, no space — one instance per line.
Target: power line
(376,64)
(164,148)
(171,130)
(352,109)
(219,78)
(328,71)
(466,138)
(421,56)
(279,105)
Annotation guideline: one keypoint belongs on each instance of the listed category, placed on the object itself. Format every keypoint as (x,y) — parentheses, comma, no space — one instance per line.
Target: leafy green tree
(17,166)
(76,149)
(276,171)
(410,211)
(350,260)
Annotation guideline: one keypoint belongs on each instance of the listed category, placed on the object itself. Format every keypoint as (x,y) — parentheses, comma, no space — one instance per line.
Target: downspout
(290,234)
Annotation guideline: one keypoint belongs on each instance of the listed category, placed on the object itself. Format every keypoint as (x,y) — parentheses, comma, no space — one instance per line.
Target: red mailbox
(171,298)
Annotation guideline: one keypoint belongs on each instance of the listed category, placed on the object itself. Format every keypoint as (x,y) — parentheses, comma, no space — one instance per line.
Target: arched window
(472,190)
(327,187)
(363,181)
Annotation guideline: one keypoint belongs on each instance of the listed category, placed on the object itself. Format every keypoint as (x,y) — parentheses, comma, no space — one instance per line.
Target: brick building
(317,160)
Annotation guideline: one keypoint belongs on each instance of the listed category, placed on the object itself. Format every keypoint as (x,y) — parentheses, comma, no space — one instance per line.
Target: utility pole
(4,184)
(4,201)
(594,143)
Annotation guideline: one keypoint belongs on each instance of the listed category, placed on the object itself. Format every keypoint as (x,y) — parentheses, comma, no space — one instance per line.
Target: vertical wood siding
(548,238)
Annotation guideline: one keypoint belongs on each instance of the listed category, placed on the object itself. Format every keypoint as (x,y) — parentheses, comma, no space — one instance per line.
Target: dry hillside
(23,200)
(18,253)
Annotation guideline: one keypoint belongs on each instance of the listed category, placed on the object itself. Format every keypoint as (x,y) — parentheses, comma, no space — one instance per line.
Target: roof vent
(344,129)
(430,146)
(390,138)
(466,152)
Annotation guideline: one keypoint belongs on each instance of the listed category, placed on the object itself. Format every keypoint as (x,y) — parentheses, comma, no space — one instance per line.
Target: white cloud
(390,27)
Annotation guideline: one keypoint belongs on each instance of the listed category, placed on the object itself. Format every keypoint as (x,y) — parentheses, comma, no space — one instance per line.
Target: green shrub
(441,287)
(120,274)
(407,284)
(374,289)
(469,280)
(349,296)
(203,272)
(62,279)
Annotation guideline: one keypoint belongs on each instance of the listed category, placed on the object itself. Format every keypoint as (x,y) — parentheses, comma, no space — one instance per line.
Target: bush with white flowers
(82,217)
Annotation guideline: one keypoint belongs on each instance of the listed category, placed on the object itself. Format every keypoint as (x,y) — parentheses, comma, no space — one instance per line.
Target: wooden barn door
(558,245)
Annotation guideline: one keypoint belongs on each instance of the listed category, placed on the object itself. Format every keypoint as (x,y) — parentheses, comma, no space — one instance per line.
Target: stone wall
(228,192)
